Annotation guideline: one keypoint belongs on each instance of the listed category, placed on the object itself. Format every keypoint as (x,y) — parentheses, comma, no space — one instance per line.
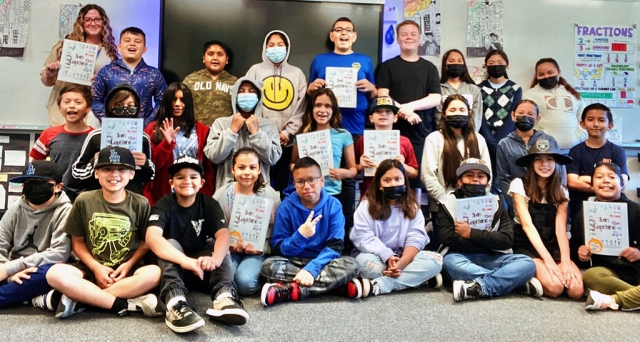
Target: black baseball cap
(114,155)
(542,146)
(39,169)
(186,162)
(383,102)
(473,164)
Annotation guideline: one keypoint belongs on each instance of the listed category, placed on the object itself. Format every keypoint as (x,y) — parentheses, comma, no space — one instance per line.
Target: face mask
(524,123)
(549,82)
(473,190)
(497,71)
(394,192)
(457,121)
(247,102)
(277,54)
(37,192)
(455,70)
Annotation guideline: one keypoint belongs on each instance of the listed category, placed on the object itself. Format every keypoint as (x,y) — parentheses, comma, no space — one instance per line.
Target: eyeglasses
(92,20)
(125,110)
(340,30)
(312,181)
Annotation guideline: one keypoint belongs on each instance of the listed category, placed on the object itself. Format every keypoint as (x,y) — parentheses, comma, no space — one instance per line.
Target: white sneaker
(228,310)
(67,307)
(48,301)
(148,304)
(599,301)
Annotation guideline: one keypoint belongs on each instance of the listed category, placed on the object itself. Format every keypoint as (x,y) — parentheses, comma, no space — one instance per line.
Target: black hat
(383,102)
(39,169)
(473,164)
(114,155)
(186,162)
(542,146)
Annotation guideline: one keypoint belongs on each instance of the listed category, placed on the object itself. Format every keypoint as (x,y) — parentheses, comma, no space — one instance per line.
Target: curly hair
(108,41)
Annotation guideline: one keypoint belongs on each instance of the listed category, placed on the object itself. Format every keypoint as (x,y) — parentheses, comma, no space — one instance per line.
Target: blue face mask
(247,101)
(277,54)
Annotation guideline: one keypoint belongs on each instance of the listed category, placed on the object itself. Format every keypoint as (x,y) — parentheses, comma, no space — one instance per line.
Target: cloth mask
(455,70)
(524,123)
(496,71)
(394,192)
(457,121)
(37,192)
(549,82)
(473,190)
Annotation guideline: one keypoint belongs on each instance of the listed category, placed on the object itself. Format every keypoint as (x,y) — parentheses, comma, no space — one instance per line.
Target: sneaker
(67,307)
(532,288)
(352,289)
(375,288)
(275,293)
(366,286)
(148,304)
(434,283)
(48,301)
(228,310)
(599,301)
(469,289)
(182,319)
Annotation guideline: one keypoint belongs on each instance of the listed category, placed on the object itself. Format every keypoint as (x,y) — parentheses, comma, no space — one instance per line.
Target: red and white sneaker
(280,292)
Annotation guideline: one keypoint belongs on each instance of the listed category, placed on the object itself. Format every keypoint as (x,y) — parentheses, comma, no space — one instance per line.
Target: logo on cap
(384,101)
(114,157)
(187,159)
(31,170)
(542,145)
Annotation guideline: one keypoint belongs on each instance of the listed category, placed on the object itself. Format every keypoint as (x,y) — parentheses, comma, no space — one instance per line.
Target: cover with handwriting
(250,219)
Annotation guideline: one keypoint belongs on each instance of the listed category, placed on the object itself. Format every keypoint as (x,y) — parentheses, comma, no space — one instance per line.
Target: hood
(113,91)
(234,95)
(295,199)
(60,200)
(266,60)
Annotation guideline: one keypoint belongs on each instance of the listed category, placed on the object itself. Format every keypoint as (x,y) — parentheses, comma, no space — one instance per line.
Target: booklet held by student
(250,218)
(606,227)
(380,145)
(317,145)
(476,211)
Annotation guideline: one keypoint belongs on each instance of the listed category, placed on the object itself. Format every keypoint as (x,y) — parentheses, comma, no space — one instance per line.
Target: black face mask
(549,82)
(496,71)
(525,123)
(394,192)
(457,121)
(473,190)
(455,70)
(37,192)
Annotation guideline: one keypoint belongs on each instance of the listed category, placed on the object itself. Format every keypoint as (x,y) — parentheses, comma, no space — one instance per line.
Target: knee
(371,266)
(60,274)
(247,284)
(270,266)
(553,290)
(592,276)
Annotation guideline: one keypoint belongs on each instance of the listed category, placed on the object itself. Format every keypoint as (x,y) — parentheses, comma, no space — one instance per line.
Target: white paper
(4,139)
(342,81)
(15,187)
(615,135)
(606,227)
(12,199)
(467,97)
(380,145)
(125,133)
(77,62)
(250,218)
(15,158)
(476,211)
(317,145)
(3,197)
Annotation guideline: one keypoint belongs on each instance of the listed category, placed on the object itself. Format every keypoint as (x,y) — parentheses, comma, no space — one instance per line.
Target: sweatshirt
(30,237)
(284,90)
(211,97)
(463,89)
(223,143)
(389,237)
(325,245)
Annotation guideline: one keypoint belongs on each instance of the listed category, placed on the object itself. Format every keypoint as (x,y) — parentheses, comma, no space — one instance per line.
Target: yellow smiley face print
(278,93)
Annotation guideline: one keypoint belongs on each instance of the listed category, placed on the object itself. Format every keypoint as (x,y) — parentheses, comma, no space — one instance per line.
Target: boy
(382,115)
(180,226)
(309,260)
(246,128)
(597,120)
(106,236)
(480,262)
(211,86)
(31,234)
(146,80)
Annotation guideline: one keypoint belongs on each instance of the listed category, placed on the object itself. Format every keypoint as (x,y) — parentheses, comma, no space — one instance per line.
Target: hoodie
(324,246)
(223,143)
(463,89)
(283,92)
(30,237)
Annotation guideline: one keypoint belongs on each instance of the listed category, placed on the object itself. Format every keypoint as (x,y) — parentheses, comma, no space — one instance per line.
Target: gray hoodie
(31,237)
(463,89)
(223,143)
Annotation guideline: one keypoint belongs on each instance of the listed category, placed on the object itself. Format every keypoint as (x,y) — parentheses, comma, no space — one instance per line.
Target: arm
(416,236)
(286,239)
(334,243)
(40,150)
(294,157)
(350,159)
(7,229)
(295,121)
(49,74)
(503,169)
(162,153)
(580,183)
(160,88)
(561,232)
(477,107)
(410,162)
(500,239)
(430,165)
(220,143)
(363,237)
(267,143)
(147,171)
(99,90)
(221,246)
(79,247)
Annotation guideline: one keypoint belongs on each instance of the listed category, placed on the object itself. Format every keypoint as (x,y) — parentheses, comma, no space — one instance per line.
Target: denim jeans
(497,274)
(16,293)
(425,265)
(247,272)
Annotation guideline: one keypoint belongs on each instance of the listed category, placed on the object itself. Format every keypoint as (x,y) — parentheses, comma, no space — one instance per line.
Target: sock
(119,305)
(224,295)
(173,296)
(173,301)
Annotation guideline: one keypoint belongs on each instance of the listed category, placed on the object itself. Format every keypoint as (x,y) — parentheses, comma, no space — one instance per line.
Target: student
(175,132)
(32,237)
(121,102)
(613,280)
(249,182)
(389,235)
(63,143)
(246,128)
(106,228)
(560,116)
(540,201)
(308,258)
(597,120)
(455,79)
(92,26)
(480,262)
(382,115)
(211,86)
(145,79)
(284,90)
(180,227)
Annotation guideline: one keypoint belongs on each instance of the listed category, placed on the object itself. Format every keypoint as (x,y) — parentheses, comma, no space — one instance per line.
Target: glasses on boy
(340,30)
(125,110)
(300,182)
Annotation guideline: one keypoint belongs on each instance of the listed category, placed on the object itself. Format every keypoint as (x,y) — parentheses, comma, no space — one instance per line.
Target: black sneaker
(48,301)
(228,310)
(434,283)
(275,293)
(181,318)
(469,289)
(532,288)
(67,307)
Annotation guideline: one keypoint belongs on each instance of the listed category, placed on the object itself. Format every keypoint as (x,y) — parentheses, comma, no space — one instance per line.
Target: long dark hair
(260,183)
(451,156)
(465,77)
(379,206)
(552,193)
(497,52)
(309,124)
(561,79)
(188,120)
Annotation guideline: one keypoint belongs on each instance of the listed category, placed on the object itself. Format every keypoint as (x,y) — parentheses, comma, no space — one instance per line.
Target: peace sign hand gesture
(308,229)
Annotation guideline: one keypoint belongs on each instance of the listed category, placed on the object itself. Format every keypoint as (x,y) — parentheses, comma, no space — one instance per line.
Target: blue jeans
(16,293)
(425,265)
(247,272)
(497,274)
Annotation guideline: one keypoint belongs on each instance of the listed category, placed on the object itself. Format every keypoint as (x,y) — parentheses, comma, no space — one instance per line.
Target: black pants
(280,172)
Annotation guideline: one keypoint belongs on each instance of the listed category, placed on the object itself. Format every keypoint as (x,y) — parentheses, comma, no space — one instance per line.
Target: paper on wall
(15,158)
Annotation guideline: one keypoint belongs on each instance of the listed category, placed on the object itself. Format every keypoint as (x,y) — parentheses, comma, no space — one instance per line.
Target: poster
(68,16)
(615,134)
(427,14)
(476,211)
(606,230)
(125,133)
(250,218)
(317,145)
(77,62)
(484,27)
(380,145)
(14,27)
(343,83)
(605,65)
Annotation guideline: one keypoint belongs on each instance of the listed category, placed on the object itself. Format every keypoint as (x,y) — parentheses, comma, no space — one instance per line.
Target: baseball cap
(473,164)
(542,146)
(383,102)
(186,162)
(39,169)
(114,155)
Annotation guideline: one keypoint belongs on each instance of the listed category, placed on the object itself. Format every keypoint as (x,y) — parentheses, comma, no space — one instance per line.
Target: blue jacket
(146,80)
(324,246)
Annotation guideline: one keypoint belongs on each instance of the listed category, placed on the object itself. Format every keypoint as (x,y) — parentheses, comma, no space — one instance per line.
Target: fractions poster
(380,145)
(317,145)
(606,230)
(342,81)
(250,218)
(476,211)
(125,133)
(77,62)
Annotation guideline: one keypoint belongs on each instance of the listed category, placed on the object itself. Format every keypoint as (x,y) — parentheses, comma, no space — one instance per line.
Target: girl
(175,133)
(248,181)
(92,27)
(613,280)
(560,105)
(455,79)
(540,229)
(389,235)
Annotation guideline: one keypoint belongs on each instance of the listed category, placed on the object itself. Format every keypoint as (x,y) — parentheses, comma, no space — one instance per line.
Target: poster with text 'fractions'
(250,218)
(125,133)
(317,145)
(606,227)
(605,65)
(77,62)
(380,145)
(476,211)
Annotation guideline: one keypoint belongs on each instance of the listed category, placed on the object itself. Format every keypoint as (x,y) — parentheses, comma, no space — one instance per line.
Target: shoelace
(282,292)
(183,309)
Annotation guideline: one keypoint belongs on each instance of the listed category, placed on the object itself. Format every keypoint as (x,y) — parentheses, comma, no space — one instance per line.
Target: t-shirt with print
(191,226)
(112,231)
